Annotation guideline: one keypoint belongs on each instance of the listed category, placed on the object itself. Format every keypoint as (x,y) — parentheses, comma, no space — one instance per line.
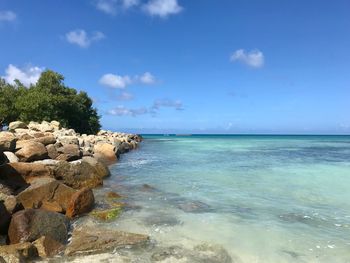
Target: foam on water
(262,198)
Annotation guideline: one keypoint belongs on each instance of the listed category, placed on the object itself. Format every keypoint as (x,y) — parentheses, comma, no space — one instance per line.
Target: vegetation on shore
(49,99)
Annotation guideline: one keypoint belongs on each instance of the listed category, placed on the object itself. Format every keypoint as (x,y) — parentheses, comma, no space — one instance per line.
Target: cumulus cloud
(111,7)
(125,96)
(167,103)
(81,38)
(254,58)
(162,8)
(123,111)
(121,82)
(153,110)
(26,76)
(7,16)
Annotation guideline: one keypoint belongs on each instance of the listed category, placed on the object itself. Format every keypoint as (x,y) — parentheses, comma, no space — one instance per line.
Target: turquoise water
(262,198)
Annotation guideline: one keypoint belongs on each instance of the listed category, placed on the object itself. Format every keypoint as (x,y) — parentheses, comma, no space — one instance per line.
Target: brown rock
(81,202)
(105,152)
(113,195)
(100,168)
(46,140)
(46,193)
(94,241)
(69,152)
(47,247)
(7,141)
(32,151)
(30,224)
(11,203)
(51,151)
(20,253)
(5,218)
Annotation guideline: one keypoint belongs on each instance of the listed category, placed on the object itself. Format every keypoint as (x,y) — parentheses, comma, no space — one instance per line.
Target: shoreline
(47,174)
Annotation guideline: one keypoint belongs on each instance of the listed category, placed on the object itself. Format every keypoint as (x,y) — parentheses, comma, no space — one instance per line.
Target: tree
(49,100)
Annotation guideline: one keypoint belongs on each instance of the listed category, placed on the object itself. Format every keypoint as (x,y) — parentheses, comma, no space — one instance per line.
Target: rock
(52,151)
(17,125)
(106,152)
(69,140)
(11,157)
(46,140)
(30,224)
(47,247)
(95,240)
(108,214)
(11,204)
(194,207)
(81,202)
(100,168)
(3,158)
(78,174)
(113,195)
(124,148)
(32,151)
(4,189)
(18,253)
(21,173)
(7,141)
(69,152)
(56,125)
(46,193)
(5,218)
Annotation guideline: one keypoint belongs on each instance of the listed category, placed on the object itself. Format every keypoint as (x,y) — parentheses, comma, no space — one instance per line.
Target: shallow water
(262,198)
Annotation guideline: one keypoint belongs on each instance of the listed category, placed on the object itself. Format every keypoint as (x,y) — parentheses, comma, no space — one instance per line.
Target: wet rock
(105,152)
(69,152)
(52,151)
(81,202)
(194,207)
(161,220)
(30,224)
(5,218)
(108,214)
(32,151)
(78,174)
(148,188)
(124,148)
(17,125)
(94,241)
(113,195)
(200,254)
(7,141)
(18,253)
(11,157)
(46,193)
(47,247)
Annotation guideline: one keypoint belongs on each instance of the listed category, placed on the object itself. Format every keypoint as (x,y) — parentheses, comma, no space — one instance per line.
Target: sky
(181,66)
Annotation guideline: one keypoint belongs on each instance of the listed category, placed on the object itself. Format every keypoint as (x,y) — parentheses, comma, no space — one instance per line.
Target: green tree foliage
(48,100)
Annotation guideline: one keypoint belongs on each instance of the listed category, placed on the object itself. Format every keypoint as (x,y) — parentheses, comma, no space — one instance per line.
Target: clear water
(263,198)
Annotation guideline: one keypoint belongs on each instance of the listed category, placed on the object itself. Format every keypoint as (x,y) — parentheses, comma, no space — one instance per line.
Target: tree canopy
(49,99)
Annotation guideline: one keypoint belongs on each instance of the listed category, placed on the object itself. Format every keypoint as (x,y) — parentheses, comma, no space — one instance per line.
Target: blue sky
(163,66)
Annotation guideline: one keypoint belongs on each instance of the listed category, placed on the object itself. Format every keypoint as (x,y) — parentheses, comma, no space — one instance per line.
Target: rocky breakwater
(46,178)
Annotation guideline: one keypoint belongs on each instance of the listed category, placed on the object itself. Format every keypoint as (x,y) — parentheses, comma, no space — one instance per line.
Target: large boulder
(18,253)
(46,140)
(5,218)
(78,174)
(105,152)
(52,151)
(81,202)
(69,152)
(100,168)
(17,125)
(94,241)
(30,224)
(124,148)
(46,193)
(7,141)
(69,140)
(32,151)
(47,247)
(19,173)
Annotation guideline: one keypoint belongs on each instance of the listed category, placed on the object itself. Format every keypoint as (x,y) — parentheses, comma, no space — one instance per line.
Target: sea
(233,198)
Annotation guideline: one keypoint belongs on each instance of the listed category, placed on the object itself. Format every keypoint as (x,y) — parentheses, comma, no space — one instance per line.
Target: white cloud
(125,96)
(147,78)
(162,8)
(7,16)
(111,7)
(115,81)
(123,111)
(81,38)
(121,82)
(26,76)
(254,58)
(177,104)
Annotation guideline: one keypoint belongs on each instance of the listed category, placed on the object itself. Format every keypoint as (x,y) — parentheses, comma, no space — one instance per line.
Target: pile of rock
(46,176)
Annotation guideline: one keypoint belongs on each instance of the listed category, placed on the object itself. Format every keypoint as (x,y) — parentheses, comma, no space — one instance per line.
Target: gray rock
(17,125)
